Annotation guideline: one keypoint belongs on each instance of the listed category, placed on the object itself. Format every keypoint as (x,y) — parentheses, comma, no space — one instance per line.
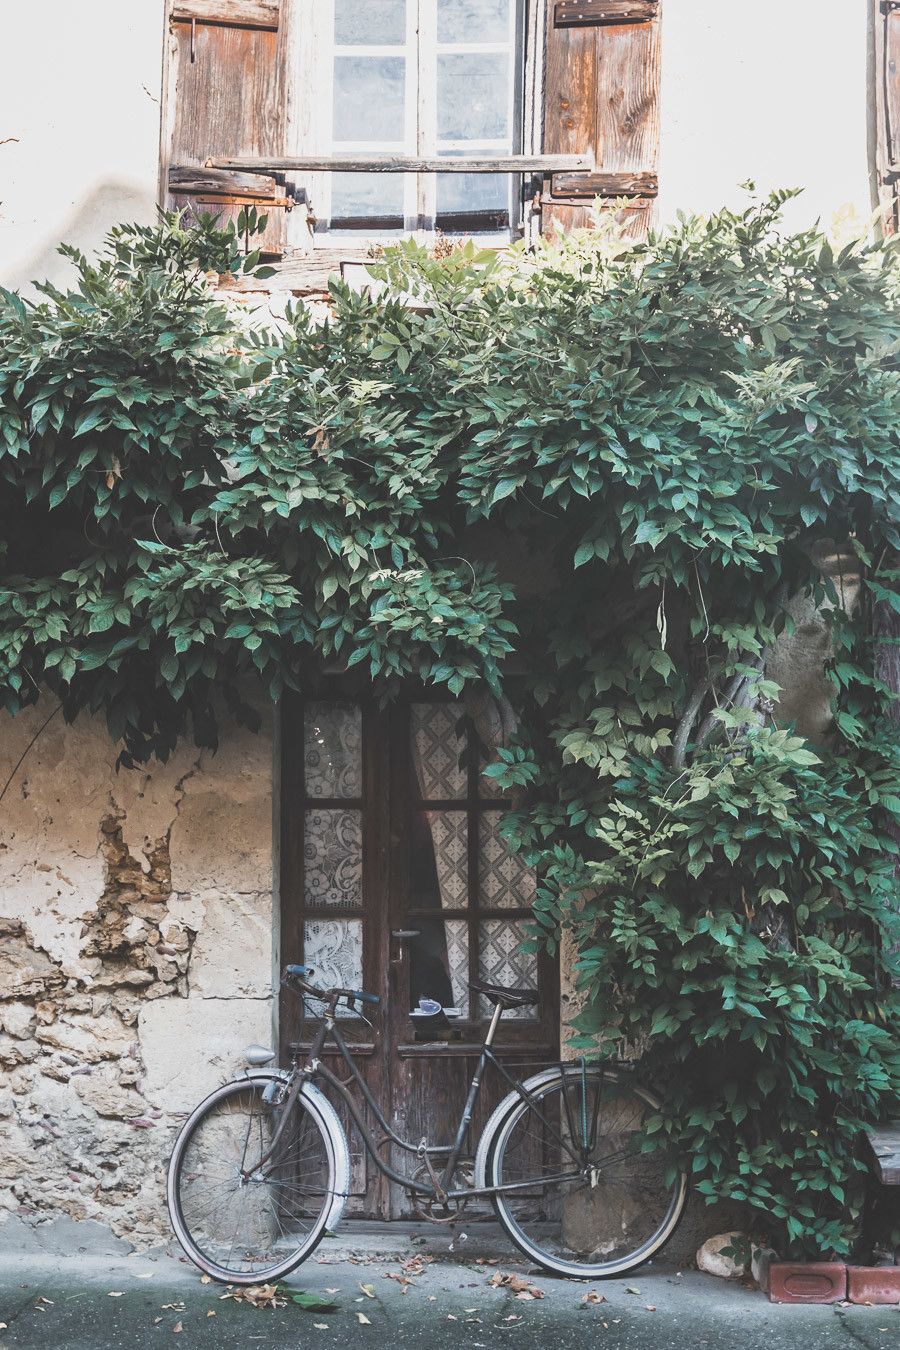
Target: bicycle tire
(332,1181)
(571,1221)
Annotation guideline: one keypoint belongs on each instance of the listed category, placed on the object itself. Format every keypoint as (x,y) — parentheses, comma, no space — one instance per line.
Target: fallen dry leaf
(651,1307)
(320,1326)
(205,1279)
(114,1293)
(211,1312)
(177,1327)
(368,1290)
(363,1320)
(594,1297)
(521,1288)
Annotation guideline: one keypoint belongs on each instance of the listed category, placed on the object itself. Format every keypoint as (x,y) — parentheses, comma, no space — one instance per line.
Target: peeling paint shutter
(601,94)
(887,110)
(224,97)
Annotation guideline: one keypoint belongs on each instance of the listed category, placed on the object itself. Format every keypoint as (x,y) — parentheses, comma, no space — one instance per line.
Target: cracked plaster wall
(136,960)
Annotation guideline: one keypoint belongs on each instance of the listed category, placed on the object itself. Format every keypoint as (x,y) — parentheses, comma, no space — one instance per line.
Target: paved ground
(92,1302)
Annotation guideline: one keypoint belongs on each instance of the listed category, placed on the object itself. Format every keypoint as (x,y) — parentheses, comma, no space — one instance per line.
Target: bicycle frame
(441,1187)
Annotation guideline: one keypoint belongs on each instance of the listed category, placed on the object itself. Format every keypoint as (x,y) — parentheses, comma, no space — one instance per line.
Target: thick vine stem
(686,725)
(731,698)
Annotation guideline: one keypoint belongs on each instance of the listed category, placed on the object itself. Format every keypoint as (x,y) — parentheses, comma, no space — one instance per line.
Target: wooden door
(457,886)
(389,827)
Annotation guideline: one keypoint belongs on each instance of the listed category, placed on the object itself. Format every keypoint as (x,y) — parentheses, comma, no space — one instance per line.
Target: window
(426,78)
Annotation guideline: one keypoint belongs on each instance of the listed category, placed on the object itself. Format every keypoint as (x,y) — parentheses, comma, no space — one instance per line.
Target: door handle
(400,936)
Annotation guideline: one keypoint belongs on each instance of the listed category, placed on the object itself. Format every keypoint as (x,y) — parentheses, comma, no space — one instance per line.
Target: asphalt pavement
(416,1289)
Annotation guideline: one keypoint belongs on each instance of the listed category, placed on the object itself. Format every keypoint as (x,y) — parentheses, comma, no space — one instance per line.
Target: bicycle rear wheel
(252,1229)
(585,1202)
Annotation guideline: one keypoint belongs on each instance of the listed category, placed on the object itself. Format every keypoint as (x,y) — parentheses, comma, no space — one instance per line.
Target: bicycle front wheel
(248,1205)
(582,1199)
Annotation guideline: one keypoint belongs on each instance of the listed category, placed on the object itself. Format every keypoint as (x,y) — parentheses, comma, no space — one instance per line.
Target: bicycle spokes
(243,1216)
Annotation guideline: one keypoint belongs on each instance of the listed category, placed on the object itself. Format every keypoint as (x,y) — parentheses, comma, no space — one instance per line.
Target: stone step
(884,1142)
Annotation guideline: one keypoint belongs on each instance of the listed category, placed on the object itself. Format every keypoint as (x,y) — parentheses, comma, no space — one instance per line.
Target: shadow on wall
(110,203)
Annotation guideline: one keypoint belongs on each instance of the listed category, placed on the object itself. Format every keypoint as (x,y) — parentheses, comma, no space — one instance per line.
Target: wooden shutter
(887,110)
(224,98)
(601,95)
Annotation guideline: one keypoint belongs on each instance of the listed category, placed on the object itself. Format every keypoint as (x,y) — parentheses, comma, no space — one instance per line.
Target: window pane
(473,97)
(438,860)
(465,194)
(439,963)
(502,961)
(332,749)
(437,746)
(368,196)
(379,22)
(334,949)
(369,98)
(332,858)
(504,881)
(473,20)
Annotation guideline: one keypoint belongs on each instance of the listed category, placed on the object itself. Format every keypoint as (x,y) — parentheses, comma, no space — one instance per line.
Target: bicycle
(260,1170)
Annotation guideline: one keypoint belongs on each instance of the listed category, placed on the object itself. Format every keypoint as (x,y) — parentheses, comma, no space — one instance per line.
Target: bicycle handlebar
(301,973)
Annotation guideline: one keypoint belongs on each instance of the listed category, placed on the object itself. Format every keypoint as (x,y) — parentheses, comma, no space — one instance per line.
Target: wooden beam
(592,13)
(235,13)
(604,185)
(190,178)
(402,164)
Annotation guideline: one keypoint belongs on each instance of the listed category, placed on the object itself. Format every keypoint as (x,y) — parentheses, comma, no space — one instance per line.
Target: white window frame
(311,104)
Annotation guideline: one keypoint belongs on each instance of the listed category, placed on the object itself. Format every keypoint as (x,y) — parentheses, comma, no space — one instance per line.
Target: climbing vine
(623,470)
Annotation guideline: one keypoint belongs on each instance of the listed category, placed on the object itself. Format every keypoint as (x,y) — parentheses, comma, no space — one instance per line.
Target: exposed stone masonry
(132,974)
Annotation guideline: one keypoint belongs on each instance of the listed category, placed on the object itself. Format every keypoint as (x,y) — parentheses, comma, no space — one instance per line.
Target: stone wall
(136,958)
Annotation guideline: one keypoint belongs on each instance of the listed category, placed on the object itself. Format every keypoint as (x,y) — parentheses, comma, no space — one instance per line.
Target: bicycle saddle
(507,998)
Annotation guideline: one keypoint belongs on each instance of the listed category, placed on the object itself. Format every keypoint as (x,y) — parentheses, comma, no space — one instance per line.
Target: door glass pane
(369,98)
(502,961)
(332,749)
(473,20)
(380,22)
(334,949)
(473,96)
(504,880)
(439,962)
(439,860)
(437,746)
(332,858)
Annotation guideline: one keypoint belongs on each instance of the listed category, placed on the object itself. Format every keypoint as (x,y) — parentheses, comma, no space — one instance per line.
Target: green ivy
(607,465)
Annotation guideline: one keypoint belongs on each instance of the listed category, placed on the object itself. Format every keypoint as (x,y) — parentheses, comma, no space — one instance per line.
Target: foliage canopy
(678,437)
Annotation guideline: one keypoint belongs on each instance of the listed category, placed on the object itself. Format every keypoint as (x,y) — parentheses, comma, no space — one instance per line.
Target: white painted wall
(79,96)
(774,91)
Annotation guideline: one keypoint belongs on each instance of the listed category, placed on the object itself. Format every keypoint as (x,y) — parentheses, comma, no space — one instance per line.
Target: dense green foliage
(654,445)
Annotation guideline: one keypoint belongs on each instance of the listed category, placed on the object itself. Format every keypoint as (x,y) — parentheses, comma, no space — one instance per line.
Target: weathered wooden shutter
(887,110)
(601,94)
(224,97)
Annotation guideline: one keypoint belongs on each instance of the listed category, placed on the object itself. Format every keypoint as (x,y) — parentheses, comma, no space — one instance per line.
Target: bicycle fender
(320,1105)
(496,1119)
(502,1110)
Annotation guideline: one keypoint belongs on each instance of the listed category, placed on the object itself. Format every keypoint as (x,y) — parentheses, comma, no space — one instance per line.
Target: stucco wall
(136,958)
(776,92)
(80,89)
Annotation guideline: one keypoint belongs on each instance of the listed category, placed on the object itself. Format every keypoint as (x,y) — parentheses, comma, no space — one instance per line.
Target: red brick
(807,1281)
(873,1284)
